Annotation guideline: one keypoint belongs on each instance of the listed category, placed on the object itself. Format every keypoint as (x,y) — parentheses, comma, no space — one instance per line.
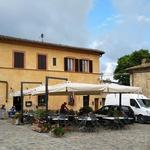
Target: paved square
(135,137)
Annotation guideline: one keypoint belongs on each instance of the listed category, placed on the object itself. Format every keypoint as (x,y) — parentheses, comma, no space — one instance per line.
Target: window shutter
(65,64)
(18,60)
(41,61)
(90,66)
(80,65)
(76,65)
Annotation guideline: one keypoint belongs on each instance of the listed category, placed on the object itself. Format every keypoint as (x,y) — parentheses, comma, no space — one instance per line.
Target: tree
(127,61)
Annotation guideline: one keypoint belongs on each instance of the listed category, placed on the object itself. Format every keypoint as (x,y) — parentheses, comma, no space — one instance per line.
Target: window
(69,64)
(41,100)
(78,65)
(134,103)
(42,62)
(85,66)
(54,61)
(18,60)
(85,101)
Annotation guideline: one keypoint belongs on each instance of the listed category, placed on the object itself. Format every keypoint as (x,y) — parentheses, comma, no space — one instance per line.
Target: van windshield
(144,102)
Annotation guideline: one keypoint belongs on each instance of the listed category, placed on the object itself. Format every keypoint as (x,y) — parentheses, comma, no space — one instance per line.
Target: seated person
(2,112)
(12,111)
(63,108)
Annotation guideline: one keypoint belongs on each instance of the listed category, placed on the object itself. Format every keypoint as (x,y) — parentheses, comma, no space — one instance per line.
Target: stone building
(31,61)
(140,76)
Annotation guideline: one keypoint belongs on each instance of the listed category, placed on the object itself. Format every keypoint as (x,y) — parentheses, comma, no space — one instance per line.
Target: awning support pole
(46,87)
(22,96)
(120,99)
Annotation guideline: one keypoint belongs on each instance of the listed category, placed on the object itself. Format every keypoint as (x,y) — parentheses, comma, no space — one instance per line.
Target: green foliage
(17,115)
(127,61)
(58,131)
(71,112)
(85,110)
(40,114)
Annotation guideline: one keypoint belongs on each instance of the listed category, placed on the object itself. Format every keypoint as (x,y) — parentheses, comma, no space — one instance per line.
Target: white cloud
(130,30)
(61,21)
(143,19)
(108,72)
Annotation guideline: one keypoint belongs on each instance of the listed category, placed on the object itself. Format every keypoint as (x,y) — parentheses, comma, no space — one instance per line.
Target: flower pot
(17,121)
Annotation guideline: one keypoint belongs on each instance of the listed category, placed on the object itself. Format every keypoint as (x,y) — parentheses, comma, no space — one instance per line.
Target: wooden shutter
(18,60)
(80,65)
(90,66)
(76,65)
(42,62)
(65,64)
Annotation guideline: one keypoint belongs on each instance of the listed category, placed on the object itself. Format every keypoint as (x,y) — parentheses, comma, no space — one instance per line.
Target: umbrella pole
(46,93)
(120,99)
(47,78)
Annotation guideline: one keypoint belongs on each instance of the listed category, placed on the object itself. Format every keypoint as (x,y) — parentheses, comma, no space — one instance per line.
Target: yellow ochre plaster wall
(30,73)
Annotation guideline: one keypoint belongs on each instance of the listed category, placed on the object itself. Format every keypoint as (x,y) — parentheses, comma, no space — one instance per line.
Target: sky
(117,27)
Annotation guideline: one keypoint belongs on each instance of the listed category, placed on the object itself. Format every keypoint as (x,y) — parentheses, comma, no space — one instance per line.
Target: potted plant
(85,110)
(58,131)
(17,118)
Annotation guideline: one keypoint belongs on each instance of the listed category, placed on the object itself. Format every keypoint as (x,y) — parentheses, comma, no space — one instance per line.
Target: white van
(140,104)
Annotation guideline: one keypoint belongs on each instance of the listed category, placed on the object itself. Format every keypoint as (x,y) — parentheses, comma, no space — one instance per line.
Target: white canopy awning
(68,87)
(80,89)
(116,88)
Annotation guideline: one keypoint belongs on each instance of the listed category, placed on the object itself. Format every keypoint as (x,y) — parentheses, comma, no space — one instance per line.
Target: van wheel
(140,119)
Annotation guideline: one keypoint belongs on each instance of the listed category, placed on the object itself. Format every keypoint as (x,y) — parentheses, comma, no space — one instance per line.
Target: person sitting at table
(64,109)
(12,111)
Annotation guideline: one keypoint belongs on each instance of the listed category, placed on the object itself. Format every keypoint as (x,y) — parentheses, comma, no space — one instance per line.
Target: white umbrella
(65,88)
(116,88)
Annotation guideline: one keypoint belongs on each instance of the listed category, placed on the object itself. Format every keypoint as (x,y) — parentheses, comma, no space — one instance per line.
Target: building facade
(31,61)
(140,76)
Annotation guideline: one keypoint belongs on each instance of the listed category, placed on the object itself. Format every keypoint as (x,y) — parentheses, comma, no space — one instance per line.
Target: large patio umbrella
(26,92)
(116,88)
(81,89)
(69,87)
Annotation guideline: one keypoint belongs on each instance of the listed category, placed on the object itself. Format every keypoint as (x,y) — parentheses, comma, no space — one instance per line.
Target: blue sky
(101,10)
(117,27)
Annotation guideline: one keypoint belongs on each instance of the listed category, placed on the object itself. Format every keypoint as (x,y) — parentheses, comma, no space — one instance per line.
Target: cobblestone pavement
(135,137)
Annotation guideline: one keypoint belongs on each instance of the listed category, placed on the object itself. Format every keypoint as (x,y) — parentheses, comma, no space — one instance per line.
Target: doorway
(17,103)
(103,101)
(96,101)
(85,100)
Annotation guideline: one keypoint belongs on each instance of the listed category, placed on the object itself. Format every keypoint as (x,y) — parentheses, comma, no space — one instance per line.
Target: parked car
(139,103)
(126,114)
